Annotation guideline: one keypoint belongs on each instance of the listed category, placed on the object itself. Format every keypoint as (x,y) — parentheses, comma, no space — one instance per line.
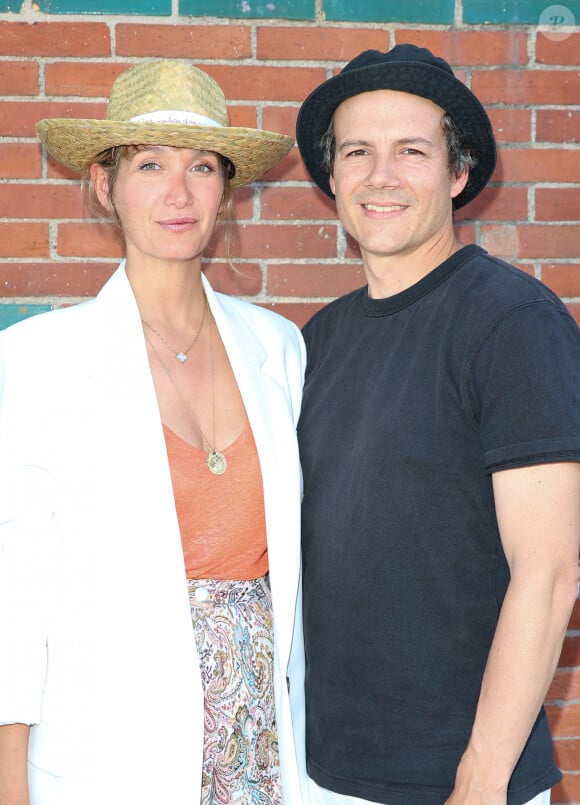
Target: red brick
(574,308)
(86,39)
(567,754)
(18,78)
(24,240)
(538,165)
(501,240)
(558,204)
(40,201)
(471,47)
(568,791)
(89,240)
(527,87)
(562,51)
(244,116)
(511,125)
(258,83)
(87,79)
(239,279)
(244,203)
(314,280)
(317,44)
(54,279)
(280,118)
(466,233)
(20,160)
(57,171)
(565,685)
(291,169)
(84,79)
(299,313)
(280,241)
(291,203)
(497,203)
(563,279)
(575,618)
(546,240)
(19,118)
(558,126)
(183,41)
(528,268)
(564,721)
(352,249)
(570,656)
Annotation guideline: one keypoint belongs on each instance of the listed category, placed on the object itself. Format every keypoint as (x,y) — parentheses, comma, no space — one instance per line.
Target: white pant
(322,796)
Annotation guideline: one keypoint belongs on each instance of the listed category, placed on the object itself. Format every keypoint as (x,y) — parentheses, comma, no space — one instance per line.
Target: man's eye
(356,152)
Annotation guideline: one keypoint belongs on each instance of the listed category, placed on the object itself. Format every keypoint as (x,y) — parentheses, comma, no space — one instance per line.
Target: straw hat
(405,68)
(165,103)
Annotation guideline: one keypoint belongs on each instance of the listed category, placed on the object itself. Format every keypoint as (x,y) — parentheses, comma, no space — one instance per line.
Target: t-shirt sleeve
(523,383)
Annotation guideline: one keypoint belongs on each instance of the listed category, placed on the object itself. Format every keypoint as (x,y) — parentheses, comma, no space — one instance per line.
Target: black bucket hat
(406,68)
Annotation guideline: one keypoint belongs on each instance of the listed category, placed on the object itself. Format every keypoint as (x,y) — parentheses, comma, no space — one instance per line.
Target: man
(440,440)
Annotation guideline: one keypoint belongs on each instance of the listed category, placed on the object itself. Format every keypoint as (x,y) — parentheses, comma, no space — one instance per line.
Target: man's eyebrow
(352,143)
(416,141)
(423,141)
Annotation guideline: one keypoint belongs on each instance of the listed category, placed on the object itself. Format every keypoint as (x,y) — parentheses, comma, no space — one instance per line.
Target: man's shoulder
(490,286)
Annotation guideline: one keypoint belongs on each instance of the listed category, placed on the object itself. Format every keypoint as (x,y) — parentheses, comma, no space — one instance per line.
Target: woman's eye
(204,167)
(149,165)
(356,152)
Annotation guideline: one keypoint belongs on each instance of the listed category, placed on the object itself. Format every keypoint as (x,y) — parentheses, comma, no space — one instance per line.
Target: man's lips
(373,207)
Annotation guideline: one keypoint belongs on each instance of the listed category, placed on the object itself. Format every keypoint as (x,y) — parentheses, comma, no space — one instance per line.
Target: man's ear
(331,183)
(459,182)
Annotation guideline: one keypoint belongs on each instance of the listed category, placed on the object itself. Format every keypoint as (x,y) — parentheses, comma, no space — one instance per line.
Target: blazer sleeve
(26,531)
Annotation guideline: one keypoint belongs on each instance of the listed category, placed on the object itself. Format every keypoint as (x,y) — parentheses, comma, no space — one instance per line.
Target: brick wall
(56,62)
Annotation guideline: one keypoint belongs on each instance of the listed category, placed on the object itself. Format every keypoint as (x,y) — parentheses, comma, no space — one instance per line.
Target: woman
(150,489)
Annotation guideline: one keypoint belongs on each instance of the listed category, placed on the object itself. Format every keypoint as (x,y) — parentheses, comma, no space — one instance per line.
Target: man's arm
(538,513)
(13,764)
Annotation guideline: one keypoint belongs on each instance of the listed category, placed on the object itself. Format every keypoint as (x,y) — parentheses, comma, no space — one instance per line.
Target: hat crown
(163,86)
(404,68)
(400,53)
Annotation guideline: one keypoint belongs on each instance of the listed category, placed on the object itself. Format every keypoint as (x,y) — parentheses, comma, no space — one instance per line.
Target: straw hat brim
(76,143)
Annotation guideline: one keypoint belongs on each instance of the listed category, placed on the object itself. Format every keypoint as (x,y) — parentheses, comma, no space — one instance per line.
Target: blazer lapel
(270,417)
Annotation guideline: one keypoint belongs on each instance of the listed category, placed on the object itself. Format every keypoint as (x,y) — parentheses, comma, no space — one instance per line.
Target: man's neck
(388,275)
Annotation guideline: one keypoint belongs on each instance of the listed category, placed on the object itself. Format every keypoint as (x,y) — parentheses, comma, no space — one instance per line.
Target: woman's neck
(169,292)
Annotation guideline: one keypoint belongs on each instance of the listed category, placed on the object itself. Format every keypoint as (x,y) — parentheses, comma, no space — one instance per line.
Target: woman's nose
(178,191)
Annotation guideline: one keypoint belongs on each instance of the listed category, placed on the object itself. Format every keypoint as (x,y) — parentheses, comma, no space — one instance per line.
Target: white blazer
(96,639)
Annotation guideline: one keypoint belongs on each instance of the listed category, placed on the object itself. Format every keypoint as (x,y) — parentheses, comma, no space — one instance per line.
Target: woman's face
(165,199)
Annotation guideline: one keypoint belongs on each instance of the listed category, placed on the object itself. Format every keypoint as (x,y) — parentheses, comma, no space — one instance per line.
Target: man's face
(391,175)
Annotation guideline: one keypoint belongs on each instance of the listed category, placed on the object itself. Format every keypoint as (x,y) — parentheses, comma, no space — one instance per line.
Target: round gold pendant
(216,462)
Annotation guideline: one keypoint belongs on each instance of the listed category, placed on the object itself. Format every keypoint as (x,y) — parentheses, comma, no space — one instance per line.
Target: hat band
(178,118)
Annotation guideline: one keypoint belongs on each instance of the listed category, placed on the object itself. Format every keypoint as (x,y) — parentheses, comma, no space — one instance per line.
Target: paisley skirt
(232,623)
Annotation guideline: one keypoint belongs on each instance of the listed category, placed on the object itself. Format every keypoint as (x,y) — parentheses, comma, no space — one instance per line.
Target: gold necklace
(181,355)
(215,460)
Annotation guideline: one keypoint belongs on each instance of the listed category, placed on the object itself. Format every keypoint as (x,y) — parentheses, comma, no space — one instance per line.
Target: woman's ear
(100,181)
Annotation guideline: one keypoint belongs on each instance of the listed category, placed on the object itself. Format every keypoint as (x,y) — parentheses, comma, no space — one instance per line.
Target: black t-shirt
(410,403)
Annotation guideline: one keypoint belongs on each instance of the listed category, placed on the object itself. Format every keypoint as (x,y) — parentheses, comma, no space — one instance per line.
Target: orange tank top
(221,517)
